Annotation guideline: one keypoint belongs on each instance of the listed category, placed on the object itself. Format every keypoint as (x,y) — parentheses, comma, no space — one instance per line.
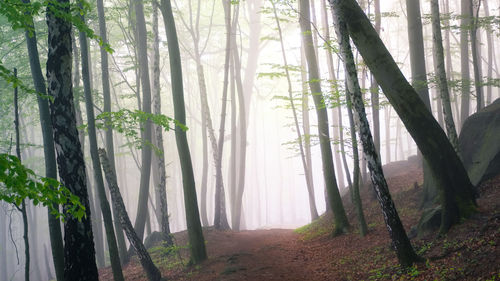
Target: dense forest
(249,140)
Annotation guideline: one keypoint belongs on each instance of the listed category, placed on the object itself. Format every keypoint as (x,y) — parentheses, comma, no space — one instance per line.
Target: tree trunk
(406,254)
(490,45)
(464,59)
(196,241)
(48,147)
(160,190)
(145,259)
(3,242)
(310,187)
(458,197)
(441,74)
(476,57)
(79,260)
(96,165)
(374,93)
(142,50)
(340,217)
(120,239)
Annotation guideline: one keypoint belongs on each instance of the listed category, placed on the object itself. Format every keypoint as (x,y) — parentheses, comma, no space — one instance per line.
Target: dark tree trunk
(160,189)
(142,50)
(195,234)
(458,197)
(120,239)
(441,74)
(96,165)
(340,218)
(145,259)
(48,147)
(406,254)
(79,260)
(464,59)
(476,57)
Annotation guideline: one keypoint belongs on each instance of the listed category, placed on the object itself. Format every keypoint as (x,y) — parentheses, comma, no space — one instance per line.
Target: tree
(441,74)
(79,260)
(56,242)
(96,165)
(142,52)
(465,19)
(340,217)
(476,60)
(195,234)
(457,194)
(310,187)
(122,247)
(145,259)
(406,254)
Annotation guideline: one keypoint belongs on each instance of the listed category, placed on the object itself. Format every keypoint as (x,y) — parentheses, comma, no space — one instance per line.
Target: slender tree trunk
(195,234)
(490,45)
(120,239)
(333,83)
(476,57)
(458,197)
(96,165)
(374,86)
(78,238)
(149,267)
(142,50)
(441,74)
(160,190)
(310,188)
(48,147)
(464,59)
(406,254)
(340,218)
(21,208)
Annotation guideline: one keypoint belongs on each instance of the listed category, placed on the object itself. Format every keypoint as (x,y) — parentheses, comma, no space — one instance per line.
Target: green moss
(322,226)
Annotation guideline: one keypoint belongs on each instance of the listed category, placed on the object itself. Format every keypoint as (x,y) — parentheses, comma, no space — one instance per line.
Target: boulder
(480,143)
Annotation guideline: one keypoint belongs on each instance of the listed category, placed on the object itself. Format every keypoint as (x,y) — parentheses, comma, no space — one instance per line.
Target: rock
(480,143)
(153,239)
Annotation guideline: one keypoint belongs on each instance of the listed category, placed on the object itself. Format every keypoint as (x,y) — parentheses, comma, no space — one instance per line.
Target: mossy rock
(429,221)
(480,143)
(153,239)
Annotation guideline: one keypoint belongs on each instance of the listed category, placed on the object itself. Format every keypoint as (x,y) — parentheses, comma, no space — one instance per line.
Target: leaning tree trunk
(340,218)
(441,75)
(79,254)
(120,239)
(195,234)
(96,165)
(144,258)
(310,187)
(55,235)
(406,254)
(458,196)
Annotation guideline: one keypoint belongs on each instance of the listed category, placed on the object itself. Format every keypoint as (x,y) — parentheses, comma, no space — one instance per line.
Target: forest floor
(470,251)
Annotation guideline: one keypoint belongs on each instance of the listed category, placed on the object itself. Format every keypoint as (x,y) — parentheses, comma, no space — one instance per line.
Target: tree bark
(458,196)
(340,218)
(149,267)
(195,234)
(476,57)
(490,45)
(79,260)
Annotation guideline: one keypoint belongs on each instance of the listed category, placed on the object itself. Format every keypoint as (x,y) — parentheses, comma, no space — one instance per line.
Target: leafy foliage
(18,183)
(129,123)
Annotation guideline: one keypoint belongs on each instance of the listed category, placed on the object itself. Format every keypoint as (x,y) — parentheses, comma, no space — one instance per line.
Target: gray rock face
(480,143)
